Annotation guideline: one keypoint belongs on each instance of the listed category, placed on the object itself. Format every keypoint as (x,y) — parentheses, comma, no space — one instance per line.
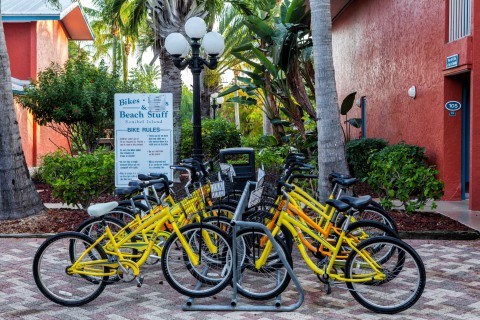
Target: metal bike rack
(237,224)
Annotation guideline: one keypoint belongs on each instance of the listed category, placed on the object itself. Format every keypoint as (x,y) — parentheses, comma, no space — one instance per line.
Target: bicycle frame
(297,228)
(154,222)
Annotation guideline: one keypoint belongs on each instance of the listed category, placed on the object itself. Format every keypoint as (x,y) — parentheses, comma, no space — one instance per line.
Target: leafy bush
(77,180)
(76,100)
(216,134)
(401,172)
(357,153)
(271,156)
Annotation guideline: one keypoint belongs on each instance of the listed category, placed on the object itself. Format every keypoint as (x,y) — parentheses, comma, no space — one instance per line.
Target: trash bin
(243,161)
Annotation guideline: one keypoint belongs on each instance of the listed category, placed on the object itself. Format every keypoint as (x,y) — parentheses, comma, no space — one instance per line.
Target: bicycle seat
(127,190)
(359,203)
(133,183)
(337,204)
(334,175)
(345,182)
(100,209)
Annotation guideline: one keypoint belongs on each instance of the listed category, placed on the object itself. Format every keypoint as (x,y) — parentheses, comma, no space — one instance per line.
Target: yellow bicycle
(384,274)
(72,269)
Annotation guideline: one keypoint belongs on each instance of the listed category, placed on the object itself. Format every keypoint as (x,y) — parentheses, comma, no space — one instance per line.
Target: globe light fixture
(179,48)
(215,102)
(213,43)
(195,28)
(176,44)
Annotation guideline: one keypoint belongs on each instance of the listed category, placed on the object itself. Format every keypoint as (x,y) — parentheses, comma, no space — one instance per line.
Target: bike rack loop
(237,224)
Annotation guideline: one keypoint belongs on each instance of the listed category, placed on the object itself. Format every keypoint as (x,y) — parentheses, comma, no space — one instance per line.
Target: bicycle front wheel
(269,280)
(213,272)
(50,265)
(404,271)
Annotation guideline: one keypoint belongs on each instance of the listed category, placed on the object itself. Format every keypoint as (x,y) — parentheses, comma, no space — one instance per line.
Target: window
(460,19)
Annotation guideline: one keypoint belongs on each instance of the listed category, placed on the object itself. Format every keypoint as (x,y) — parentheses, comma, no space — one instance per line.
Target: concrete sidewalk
(452,291)
(458,210)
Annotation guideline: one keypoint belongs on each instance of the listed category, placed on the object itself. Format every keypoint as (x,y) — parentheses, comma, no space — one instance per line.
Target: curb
(440,235)
(27,235)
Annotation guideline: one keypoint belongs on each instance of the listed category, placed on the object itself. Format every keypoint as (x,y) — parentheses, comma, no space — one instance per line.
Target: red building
(36,35)
(383,48)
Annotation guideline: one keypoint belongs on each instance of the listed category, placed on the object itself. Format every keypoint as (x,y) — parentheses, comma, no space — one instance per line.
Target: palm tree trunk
(114,55)
(124,62)
(18,197)
(331,152)
(172,82)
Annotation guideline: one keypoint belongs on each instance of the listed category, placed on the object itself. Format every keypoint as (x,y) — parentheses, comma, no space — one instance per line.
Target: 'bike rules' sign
(143,135)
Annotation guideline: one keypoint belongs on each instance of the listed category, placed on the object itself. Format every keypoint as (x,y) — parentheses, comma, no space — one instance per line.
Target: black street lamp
(179,47)
(216,102)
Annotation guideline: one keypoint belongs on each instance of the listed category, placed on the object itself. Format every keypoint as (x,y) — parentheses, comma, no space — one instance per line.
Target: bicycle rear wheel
(370,213)
(269,280)
(404,270)
(214,270)
(50,266)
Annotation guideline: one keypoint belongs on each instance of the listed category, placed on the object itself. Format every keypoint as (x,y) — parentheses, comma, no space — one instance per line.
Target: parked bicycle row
(347,241)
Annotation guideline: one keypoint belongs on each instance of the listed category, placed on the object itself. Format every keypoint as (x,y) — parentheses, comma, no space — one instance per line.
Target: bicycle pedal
(140,281)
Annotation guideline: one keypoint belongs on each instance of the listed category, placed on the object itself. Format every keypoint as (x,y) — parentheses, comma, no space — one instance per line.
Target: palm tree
(115,37)
(331,153)
(18,197)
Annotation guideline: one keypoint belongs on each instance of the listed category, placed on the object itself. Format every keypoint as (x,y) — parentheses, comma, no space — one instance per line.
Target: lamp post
(216,102)
(179,47)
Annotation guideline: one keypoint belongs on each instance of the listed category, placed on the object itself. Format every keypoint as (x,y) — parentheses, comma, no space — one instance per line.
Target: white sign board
(143,135)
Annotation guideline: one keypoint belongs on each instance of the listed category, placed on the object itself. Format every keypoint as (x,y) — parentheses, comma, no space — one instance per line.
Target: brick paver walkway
(452,291)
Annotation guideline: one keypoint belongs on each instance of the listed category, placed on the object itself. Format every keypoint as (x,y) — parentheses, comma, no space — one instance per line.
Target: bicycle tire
(264,217)
(126,213)
(220,222)
(271,279)
(371,229)
(220,209)
(152,201)
(370,213)
(49,270)
(183,276)
(405,276)
(92,226)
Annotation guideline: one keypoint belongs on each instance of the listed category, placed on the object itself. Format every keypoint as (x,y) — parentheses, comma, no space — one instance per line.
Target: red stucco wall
(475,112)
(52,46)
(382,48)
(31,48)
(21,46)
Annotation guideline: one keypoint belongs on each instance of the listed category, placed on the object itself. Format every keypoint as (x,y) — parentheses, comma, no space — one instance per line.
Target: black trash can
(243,161)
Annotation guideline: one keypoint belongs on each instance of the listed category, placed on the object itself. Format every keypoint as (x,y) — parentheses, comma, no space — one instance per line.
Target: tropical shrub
(216,134)
(357,153)
(77,180)
(76,100)
(400,172)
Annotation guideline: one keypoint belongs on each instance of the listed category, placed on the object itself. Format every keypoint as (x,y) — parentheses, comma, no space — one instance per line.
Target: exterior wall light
(412,92)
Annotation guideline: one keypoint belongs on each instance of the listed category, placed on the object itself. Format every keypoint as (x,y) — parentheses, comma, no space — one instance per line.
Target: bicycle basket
(265,195)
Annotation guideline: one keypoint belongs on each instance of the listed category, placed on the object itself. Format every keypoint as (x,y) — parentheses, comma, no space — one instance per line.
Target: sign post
(143,135)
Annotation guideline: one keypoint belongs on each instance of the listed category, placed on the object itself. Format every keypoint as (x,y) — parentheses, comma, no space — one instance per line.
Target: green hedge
(357,153)
(77,180)
(400,172)
(216,134)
